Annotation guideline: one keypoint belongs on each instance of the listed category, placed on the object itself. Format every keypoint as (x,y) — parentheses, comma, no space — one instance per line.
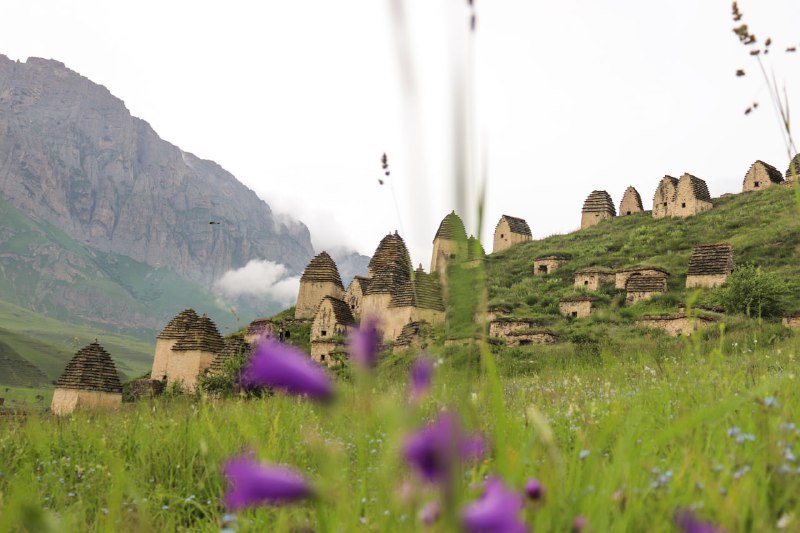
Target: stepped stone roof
(233,346)
(666,180)
(422,291)
(451,228)
(698,186)
(514,320)
(643,268)
(642,283)
(91,369)
(599,202)
(202,335)
(711,259)
(579,299)
(322,269)
(796,161)
(773,173)
(361,282)
(408,333)
(177,327)
(631,194)
(391,265)
(259,326)
(516,225)
(341,311)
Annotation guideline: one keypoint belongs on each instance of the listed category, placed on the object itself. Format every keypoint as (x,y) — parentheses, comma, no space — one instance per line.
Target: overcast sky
(300,99)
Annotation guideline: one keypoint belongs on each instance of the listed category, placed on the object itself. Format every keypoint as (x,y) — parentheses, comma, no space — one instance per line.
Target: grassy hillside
(763,227)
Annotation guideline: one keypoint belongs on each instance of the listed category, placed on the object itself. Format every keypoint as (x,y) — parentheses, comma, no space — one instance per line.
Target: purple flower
(421,372)
(579,524)
(497,511)
(534,489)
(436,449)
(688,522)
(252,483)
(430,513)
(363,343)
(284,367)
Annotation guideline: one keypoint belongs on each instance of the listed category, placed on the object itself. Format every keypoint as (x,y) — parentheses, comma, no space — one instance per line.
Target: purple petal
(363,343)
(430,513)
(534,489)
(579,524)
(287,368)
(252,483)
(421,372)
(497,511)
(688,522)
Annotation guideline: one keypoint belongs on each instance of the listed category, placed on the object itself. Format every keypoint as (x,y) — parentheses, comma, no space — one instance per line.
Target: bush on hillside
(752,292)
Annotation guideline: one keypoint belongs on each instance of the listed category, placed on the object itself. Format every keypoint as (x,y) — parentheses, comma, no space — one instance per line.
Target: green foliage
(753,292)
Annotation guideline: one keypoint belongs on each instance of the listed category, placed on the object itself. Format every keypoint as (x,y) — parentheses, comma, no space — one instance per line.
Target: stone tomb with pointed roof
(593,278)
(193,353)
(597,208)
(354,295)
(509,232)
(631,202)
(417,300)
(172,333)
(333,319)
(710,265)
(664,197)
(258,329)
(90,381)
(449,243)
(643,287)
(548,264)
(761,175)
(388,271)
(691,197)
(320,279)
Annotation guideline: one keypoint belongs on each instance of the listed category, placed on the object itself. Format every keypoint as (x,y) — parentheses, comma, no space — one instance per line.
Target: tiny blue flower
(732,432)
(770,401)
(583,455)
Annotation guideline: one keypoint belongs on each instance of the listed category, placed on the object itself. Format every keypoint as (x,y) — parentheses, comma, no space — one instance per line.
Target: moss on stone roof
(451,228)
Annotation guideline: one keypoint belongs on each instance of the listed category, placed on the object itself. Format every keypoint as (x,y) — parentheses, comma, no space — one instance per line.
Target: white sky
(300,99)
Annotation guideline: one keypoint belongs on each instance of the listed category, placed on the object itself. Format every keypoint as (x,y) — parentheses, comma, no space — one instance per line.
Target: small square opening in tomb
(323,333)
(574,314)
(757,184)
(683,204)
(543,269)
(585,282)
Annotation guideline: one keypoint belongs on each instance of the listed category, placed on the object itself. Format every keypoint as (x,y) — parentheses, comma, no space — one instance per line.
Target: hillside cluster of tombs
(405,302)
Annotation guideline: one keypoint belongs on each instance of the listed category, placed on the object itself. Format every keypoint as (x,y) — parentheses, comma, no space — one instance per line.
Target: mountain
(72,155)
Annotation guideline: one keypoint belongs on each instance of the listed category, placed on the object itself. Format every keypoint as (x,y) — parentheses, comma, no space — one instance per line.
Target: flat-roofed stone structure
(548,264)
(501,327)
(577,306)
(193,353)
(449,243)
(531,336)
(593,278)
(597,207)
(676,325)
(333,319)
(172,333)
(631,202)
(793,170)
(621,276)
(90,381)
(761,175)
(320,279)
(355,294)
(510,231)
(664,197)
(692,197)
(710,265)
(258,329)
(792,320)
(643,287)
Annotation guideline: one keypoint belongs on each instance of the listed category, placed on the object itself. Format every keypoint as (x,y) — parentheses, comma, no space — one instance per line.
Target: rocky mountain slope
(71,154)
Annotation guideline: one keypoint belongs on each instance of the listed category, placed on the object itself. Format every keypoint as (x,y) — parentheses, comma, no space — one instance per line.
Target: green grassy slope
(763,227)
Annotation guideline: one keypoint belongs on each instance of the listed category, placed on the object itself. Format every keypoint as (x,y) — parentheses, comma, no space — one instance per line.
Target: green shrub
(753,292)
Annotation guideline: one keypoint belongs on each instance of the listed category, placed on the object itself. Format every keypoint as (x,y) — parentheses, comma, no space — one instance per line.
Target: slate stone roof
(773,173)
(202,335)
(514,320)
(322,269)
(259,326)
(91,370)
(642,283)
(698,187)
(711,259)
(407,335)
(641,269)
(391,265)
(423,292)
(594,270)
(599,202)
(233,346)
(341,311)
(451,228)
(631,192)
(579,299)
(177,327)
(796,161)
(665,181)
(516,225)
(361,282)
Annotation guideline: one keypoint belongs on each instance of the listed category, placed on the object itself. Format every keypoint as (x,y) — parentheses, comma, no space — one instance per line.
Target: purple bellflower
(363,343)
(286,368)
(252,483)
(436,449)
(688,523)
(420,382)
(497,511)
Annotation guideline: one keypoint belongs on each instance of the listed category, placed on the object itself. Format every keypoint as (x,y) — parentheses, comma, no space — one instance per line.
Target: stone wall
(395,318)
(161,357)
(590,219)
(326,326)
(707,282)
(592,280)
(547,265)
(145,388)
(686,204)
(792,321)
(353,298)
(311,294)
(185,367)
(622,276)
(505,326)
(576,308)
(631,297)
(444,252)
(675,325)
(631,202)
(505,239)
(758,177)
(322,351)
(66,401)
(664,197)
(524,338)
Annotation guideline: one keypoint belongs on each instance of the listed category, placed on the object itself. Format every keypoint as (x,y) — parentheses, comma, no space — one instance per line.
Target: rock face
(72,154)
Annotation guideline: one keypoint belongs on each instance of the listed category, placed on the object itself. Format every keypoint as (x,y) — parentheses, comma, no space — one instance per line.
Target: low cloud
(260,279)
